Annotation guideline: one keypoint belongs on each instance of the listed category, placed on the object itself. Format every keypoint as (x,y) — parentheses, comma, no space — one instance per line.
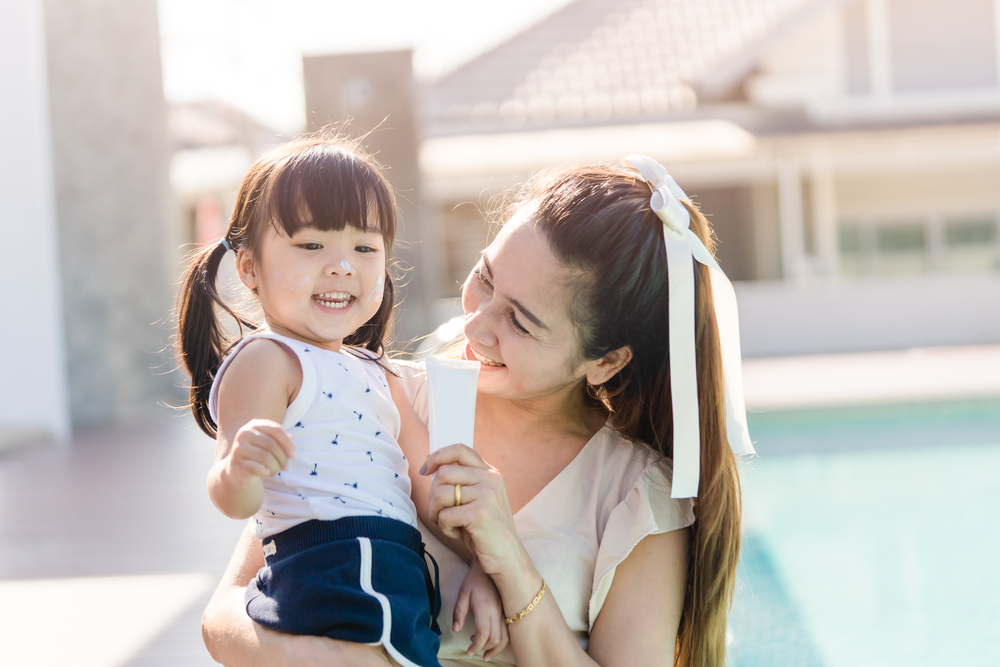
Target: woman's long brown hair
(323,181)
(598,220)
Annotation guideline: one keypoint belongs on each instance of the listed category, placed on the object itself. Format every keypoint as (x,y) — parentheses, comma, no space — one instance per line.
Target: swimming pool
(871,538)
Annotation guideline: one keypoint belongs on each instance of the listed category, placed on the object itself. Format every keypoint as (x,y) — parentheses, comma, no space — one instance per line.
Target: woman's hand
(483,520)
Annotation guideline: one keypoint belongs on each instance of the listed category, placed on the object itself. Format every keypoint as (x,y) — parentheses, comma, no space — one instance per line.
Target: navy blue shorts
(358,579)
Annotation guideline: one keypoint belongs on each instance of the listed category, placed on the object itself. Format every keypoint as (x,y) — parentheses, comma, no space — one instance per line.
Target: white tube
(451,401)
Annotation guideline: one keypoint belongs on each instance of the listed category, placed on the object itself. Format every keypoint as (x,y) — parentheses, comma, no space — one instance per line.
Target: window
(972,244)
(913,246)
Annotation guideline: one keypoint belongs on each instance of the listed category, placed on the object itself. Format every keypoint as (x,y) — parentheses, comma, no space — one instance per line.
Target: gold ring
(458,495)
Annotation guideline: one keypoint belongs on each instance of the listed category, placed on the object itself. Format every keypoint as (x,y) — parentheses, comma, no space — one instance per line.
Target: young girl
(311,429)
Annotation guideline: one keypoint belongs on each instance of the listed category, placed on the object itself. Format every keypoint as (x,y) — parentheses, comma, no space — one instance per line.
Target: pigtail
(599,221)
(641,402)
(202,342)
(323,180)
(716,532)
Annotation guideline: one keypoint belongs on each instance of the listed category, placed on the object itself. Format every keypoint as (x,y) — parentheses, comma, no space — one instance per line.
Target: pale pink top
(576,530)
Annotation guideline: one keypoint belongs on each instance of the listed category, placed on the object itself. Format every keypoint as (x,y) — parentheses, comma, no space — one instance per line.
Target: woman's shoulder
(640,505)
(635,480)
(615,457)
(413,377)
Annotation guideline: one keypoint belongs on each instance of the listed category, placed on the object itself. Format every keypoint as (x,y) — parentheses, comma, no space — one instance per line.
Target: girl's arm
(639,620)
(254,393)
(236,641)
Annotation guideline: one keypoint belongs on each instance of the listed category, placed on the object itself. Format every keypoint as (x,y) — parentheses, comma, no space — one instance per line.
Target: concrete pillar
(374,93)
(766,231)
(790,215)
(996,37)
(934,242)
(33,394)
(110,154)
(879,59)
(998,218)
(824,216)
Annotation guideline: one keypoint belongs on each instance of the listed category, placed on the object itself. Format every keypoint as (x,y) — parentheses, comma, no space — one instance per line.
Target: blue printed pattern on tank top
(348,463)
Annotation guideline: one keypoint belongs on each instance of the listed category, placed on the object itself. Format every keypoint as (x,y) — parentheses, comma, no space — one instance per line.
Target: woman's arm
(236,641)
(229,634)
(638,622)
(644,604)
(637,625)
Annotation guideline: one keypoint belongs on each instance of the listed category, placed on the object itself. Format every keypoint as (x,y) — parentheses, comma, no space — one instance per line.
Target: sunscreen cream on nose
(451,401)
(344,264)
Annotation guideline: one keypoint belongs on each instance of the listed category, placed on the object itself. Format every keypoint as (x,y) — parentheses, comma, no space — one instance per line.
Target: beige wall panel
(917,194)
(767,232)
(374,91)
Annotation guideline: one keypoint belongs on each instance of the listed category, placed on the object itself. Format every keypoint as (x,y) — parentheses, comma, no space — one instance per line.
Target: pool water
(877,543)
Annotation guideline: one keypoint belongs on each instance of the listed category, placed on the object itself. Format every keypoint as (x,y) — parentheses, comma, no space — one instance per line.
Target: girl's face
(517,323)
(317,286)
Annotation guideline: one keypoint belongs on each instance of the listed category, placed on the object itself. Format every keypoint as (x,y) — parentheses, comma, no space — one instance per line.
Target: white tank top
(345,428)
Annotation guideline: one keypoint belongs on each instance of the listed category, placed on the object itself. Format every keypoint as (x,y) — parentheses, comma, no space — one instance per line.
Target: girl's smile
(310,284)
(334,300)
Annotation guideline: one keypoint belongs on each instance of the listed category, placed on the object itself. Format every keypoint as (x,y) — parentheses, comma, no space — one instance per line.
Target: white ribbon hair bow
(683,247)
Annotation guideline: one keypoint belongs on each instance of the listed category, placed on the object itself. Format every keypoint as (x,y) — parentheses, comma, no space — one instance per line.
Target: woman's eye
(517,325)
(482,278)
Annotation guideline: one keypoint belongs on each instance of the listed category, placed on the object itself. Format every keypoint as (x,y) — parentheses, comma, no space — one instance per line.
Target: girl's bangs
(328,190)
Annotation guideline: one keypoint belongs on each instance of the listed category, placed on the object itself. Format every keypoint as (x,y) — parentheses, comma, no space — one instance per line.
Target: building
(84,205)
(848,152)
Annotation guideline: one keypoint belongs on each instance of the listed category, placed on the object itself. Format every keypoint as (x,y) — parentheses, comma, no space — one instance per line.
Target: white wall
(827,316)
(33,394)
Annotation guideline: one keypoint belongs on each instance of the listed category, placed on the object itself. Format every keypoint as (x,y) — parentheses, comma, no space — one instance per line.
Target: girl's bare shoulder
(264,359)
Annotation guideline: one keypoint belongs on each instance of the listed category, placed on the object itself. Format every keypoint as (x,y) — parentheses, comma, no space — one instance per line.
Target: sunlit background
(847,152)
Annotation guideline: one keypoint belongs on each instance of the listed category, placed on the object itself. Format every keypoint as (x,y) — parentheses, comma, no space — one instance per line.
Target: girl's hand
(484,520)
(479,593)
(260,449)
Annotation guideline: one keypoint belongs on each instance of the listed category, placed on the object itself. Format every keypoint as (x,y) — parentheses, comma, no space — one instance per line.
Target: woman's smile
(483,359)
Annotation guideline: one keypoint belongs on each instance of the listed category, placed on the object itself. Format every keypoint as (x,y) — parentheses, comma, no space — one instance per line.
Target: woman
(572,316)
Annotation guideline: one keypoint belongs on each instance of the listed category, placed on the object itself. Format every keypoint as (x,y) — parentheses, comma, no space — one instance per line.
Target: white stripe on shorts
(366,586)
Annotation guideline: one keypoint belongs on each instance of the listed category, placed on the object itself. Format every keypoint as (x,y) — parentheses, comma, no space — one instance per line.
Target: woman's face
(517,322)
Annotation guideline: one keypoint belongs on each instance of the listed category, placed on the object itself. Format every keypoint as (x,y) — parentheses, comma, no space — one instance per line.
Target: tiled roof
(607,60)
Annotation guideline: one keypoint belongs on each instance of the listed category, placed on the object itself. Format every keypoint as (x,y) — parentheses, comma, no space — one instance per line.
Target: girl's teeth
(334,299)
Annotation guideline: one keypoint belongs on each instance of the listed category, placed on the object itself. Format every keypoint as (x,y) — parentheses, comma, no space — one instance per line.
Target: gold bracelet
(531,605)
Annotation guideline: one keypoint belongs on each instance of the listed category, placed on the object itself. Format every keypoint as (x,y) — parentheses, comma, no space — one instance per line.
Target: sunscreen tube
(451,401)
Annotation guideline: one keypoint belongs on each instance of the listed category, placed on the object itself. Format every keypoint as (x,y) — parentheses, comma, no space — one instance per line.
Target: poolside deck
(112,547)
